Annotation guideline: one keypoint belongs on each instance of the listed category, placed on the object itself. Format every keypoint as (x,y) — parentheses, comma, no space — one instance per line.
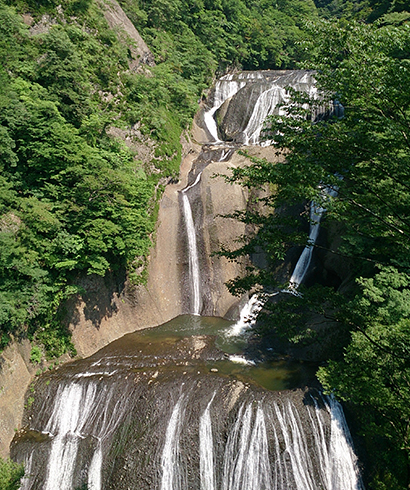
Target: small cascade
(305,258)
(171,476)
(247,317)
(94,472)
(296,448)
(194,273)
(302,265)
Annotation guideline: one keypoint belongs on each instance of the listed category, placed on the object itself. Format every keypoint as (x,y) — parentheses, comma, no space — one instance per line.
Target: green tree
(10,475)
(365,156)
(73,200)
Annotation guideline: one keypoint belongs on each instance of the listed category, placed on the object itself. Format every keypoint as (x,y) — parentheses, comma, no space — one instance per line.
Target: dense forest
(75,200)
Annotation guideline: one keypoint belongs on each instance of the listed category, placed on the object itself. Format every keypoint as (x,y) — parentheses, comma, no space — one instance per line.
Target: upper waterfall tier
(239,103)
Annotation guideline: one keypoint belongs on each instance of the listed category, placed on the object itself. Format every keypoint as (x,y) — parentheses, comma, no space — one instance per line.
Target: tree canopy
(74,200)
(364,156)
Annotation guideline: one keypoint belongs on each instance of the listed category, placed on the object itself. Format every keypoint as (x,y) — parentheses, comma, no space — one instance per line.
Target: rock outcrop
(16,373)
(118,21)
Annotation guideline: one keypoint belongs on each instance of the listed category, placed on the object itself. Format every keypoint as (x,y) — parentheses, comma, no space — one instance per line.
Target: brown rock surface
(15,375)
(117,20)
(104,315)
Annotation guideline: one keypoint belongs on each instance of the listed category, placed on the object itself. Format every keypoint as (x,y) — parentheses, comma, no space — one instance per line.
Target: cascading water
(247,316)
(302,265)
(206,450)
(225,88)
(147,413)
(171,474)
(169,412)
(265,92)
(194,273)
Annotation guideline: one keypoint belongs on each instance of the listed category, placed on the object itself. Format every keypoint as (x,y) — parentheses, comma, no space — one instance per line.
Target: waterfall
(153,414)
(247,316)
(120,431)
(225,88)
(305,258)
(296,448)
(273,92)
(343,464)
(171,477)
(302,265)
(265,105)
(206,450)
(247,463)
(249,460)
(71,410)
(94,472)
(194,273)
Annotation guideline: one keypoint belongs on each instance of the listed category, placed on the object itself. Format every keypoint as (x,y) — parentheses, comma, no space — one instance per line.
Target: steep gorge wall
(166,293)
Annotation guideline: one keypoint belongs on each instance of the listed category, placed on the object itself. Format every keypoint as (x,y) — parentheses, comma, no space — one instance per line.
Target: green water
(273,375)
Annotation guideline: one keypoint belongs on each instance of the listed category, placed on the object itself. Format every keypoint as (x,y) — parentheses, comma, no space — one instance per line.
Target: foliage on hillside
(247,33)
(10,474)
(365,156)
(393,12)
(74,200)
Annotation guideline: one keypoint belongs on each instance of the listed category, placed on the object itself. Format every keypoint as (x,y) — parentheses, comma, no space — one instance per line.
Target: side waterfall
(302,265)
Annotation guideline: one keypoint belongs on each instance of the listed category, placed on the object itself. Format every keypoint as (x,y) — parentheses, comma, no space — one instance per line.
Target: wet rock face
(149,414)
(239,104)
(234,114)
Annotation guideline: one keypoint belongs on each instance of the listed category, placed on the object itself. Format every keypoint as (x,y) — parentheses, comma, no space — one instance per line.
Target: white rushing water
(206,450)
(194,273)
(273,95)
(225,88)
(296,448)
(305,258)
(247,316)
(71,411)
(302,265)
(80,410)
(321,459)
(170,454)
(261,443)
(343,461)
(94,471)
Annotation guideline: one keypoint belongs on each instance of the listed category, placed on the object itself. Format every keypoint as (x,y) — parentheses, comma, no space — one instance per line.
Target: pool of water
(272,375)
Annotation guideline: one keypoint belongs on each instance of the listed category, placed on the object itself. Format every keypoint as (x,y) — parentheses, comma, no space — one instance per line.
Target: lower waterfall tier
(159,414)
